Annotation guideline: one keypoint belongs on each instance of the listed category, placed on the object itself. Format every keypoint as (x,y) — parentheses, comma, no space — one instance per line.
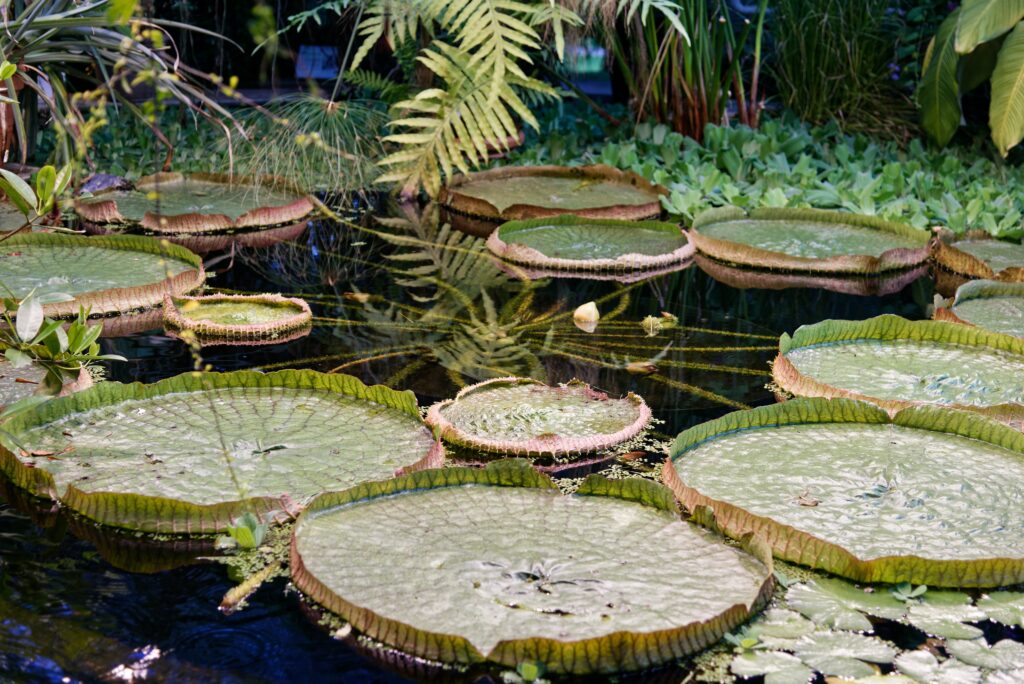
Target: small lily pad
(1002,655)
(841,605)
(239,318)
(775,666)
(843,654)
(923,667)
(943,614)
(1004,607)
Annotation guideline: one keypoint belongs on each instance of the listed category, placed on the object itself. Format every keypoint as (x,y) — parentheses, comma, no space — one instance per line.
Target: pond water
(414,304)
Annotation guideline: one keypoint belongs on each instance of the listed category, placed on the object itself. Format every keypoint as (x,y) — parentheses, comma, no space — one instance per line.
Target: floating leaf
(922,497)
(982,256)
(925,668)
(946,619)
(994,306)
(1002,655)
(1004,607)
(843,654)
(841,605)
(241,319)
(525,572)
(775,666)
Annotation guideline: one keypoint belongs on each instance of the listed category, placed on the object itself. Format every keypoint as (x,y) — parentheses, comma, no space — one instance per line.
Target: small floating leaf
(775,666)
(843,654)
(1002,655)
(923,667)
(1004,607)
(841,605)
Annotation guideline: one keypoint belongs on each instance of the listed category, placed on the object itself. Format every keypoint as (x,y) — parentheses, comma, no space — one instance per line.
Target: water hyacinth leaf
(174,204)
(841,605)
(931,490)
(1002,655)
(526,573)
(811,240)
(987,304)
(191,453)
(525,417)
(510,193)
(897,363)
(843,654)
(775,666)
(238,318)
(923,667)
(1004,607)
(572,243)
(108,275)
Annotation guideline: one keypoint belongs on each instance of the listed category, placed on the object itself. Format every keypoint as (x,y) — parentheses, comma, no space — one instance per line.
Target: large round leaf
(982,257)
(931,496)
(526,417)
(239,318)
(987,304)
(173,204)
(187,454)
(574,243)
(496,564)
(898,363)
(808,240)
(113,274)
(524,192)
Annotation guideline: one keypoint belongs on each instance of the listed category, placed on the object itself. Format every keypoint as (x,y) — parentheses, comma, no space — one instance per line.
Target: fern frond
(381,86)
(394,20)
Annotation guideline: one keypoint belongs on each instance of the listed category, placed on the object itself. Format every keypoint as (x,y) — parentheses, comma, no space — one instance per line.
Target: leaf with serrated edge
(925,668)
(843,654)
(1004,607)
(776,667)
(838,604)
(1002,655)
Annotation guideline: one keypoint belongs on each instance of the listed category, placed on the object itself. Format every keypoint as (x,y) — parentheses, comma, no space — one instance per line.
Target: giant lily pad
(574,243)
(898,363)
(20,383)
(981,256)
(187,454)
(525,192)
(114,274)
(987,304)
(930,496)
(239,318)
(808,240)
(497,565)
(173,204)
(526,417)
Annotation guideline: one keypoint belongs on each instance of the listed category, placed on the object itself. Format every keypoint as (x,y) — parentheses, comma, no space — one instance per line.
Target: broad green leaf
(936,618)
(120,11)
(29,317)
(523,416)
(7,70)
(977,67)
(777,627)
(240,317)
(841,605)
(191,453)
(1006,109)
(18,192)
(775,666)
(938,93)
(17,358)
(843,654)
(1004,607)
(925,668)
(553,595)
(984,20)
(46,183)
(1002,655)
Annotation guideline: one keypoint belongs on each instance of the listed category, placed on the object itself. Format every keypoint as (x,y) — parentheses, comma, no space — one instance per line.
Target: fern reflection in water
(417,304)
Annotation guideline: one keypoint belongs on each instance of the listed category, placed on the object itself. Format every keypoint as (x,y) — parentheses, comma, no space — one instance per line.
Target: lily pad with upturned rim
(20,383)
(573,243)
(979,255)
(897,363)
(189,453)
(176,204)
(245,318)
(527,192)
(809,240)
(108,275)
(497,565)
(929,496)
(523,416)
(988,304)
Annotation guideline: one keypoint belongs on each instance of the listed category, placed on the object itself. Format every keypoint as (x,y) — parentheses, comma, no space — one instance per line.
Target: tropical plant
(478,53)
(47,45)
(37,204)
(982,41)
(686,78)
(832,59)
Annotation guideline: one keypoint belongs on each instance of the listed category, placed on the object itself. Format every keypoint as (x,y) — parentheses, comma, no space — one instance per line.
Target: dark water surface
(413,304)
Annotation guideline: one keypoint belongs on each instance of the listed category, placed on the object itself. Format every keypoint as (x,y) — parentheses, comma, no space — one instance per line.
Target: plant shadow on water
(414,304)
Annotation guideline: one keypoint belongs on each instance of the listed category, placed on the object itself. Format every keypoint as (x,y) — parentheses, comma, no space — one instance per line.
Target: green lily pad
(927,496)
(525,573)
(779,623)
(1004,607)
(994,306)
(841,605)
(1002,655)
(190,453)
(808,240)
(898,363)
(843,654)
(173,204)
(936,618)
(526,192)
(114,274)
(526,417)
(982,256)
(574,243)
(239,318)
(18,383)
(923,667)
(1005,677)
(775,666)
